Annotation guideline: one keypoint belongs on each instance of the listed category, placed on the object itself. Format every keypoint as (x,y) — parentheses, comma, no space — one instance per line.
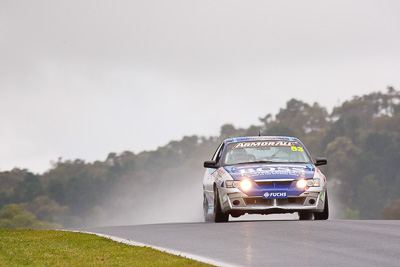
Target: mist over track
(275,243)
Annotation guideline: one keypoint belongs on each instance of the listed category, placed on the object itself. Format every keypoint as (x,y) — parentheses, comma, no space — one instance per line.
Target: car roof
(260,138)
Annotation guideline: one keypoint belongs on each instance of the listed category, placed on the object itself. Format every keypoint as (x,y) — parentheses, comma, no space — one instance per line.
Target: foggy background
(81,79)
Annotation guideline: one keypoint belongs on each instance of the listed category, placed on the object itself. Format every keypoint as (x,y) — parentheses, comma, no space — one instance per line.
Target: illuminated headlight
(243,184)
(308,183)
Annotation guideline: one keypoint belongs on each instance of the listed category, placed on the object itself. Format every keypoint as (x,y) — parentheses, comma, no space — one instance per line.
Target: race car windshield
(265,152)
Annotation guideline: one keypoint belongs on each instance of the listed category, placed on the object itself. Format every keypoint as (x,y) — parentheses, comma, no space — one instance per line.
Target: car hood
(271,171)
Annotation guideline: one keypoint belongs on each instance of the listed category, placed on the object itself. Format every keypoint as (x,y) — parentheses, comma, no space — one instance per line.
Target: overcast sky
(80,79)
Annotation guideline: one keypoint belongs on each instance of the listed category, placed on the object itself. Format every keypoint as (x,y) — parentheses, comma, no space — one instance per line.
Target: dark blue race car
(264,175)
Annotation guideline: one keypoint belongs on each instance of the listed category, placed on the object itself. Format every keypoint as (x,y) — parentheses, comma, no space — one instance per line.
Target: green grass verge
(59,248)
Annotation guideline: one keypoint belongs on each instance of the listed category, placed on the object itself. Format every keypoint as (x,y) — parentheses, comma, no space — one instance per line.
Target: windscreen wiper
(251,162)
(262,161)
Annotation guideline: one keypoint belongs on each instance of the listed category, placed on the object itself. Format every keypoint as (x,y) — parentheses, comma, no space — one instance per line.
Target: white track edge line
(162,249)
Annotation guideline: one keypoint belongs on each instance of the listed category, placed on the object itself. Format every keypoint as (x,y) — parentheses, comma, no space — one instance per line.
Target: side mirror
(210,164)
(321,161)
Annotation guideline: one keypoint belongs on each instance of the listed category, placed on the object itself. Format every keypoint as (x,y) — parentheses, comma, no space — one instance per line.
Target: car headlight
(302,183)
(232,184)
(244,184)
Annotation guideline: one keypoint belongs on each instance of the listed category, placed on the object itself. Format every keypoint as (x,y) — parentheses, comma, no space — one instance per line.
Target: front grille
(265,183)
(258,201)
(274,184)
(288,183)
(291,201)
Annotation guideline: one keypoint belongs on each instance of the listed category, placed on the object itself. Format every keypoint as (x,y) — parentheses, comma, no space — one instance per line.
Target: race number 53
(298,148)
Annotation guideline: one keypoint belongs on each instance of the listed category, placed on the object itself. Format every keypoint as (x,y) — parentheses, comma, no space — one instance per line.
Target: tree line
(360,138)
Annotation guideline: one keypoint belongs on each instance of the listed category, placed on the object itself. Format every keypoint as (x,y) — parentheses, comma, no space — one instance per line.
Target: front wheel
(207,217)
(219,216)
(325,214)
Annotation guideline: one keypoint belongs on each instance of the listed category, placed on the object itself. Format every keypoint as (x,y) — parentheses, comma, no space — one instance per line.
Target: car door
(208,180)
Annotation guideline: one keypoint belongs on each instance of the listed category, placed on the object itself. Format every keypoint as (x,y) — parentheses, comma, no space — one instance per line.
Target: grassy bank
(59,248)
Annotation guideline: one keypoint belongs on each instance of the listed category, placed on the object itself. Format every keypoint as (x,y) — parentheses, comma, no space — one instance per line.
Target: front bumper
(238,203)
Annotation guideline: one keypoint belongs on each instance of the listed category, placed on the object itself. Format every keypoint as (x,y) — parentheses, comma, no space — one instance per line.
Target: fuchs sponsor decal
(275,195)
(263,144)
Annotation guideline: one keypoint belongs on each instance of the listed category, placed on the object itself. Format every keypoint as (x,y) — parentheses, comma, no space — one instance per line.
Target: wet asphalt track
(275,243)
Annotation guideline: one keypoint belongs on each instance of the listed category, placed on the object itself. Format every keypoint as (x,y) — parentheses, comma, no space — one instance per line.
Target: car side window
(218,152)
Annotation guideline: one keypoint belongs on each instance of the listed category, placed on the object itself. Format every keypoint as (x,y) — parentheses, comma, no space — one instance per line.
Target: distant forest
(360,139)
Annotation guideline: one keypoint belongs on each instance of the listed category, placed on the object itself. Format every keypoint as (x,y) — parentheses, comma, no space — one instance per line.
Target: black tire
(207,217)
(305,216)
(325,214)
(219,216)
